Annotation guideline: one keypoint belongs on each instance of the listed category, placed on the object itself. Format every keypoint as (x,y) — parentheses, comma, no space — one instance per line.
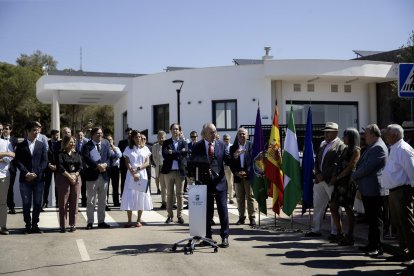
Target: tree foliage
(19,103)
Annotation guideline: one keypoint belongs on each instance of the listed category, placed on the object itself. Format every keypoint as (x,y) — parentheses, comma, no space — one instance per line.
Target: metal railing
(317,134)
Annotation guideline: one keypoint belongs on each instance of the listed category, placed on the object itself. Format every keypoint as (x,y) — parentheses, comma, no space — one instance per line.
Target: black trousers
(114,179)
(83,188)
(374,213)
(48,181)
(10,192)
(123,177)
(402,216)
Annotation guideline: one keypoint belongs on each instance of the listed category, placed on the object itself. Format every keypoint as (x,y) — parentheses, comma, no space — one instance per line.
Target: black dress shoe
(313,235)
(89,226)
(240,222)
(169,220)
(72,229)
(12,211)
(62,230)
(224,243)
(36,230)
(163,206)
(104,225)
(375,252)
(252,222)
(409,263)
(26,230)
(180,220)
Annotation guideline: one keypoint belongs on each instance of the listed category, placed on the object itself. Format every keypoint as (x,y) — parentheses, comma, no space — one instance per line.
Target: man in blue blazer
(210,155)
(31,160)
(96,157)
(368,176)
(174,152)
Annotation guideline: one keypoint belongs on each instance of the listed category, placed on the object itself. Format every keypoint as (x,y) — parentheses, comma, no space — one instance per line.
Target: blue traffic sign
(406,80)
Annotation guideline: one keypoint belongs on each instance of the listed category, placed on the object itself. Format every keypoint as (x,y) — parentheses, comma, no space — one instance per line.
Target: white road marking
(108,218)
(82,250)
(49,219)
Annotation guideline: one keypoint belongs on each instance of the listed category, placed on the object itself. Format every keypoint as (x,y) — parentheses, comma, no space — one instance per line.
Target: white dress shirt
(399,169)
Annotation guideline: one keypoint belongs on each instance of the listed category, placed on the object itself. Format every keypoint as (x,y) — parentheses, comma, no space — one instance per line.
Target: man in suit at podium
(212,154)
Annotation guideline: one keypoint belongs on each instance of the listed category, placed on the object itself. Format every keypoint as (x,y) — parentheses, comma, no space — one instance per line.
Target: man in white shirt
(398,177)
(6,156)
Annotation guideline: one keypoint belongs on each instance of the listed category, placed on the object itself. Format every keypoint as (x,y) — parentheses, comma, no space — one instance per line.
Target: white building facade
(343,91)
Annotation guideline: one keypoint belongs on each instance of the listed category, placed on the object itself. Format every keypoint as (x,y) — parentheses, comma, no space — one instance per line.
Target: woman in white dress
(136,195)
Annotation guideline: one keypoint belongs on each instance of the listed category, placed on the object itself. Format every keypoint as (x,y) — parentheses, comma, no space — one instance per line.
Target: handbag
(141,185)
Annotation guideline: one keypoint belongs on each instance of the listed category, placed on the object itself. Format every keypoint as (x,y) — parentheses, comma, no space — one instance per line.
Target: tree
(17,95)
(37,61)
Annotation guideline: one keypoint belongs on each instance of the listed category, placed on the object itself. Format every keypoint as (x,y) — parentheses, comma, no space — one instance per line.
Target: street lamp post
(179,84)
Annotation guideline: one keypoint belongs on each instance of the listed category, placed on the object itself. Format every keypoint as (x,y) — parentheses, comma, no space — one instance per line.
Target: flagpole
(259,217)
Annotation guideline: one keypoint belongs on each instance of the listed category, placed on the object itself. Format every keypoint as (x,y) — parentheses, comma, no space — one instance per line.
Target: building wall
(243,83)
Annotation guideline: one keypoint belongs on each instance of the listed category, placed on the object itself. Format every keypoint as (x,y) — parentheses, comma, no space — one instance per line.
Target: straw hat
(330,126)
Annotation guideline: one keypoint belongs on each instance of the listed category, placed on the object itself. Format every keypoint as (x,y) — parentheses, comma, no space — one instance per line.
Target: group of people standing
(381,173)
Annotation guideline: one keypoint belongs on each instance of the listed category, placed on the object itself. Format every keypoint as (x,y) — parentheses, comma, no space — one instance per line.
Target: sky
(146,36)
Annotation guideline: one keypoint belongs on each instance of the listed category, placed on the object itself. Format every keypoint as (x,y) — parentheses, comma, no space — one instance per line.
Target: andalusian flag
(308,163)
(257,179)
(273,170)
(291,168)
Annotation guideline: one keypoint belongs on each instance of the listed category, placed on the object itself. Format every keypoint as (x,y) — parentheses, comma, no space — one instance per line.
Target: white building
(343,91)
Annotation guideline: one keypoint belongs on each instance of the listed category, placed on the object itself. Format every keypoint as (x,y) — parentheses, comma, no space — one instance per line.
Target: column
(56,110)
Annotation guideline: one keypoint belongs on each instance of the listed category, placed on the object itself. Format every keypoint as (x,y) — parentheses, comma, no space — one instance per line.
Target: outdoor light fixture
(179,85)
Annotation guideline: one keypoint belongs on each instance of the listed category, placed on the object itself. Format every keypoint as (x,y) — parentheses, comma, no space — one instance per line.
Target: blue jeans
(31,190)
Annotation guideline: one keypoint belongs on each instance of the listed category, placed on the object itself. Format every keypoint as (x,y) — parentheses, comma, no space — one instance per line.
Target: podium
(197,208)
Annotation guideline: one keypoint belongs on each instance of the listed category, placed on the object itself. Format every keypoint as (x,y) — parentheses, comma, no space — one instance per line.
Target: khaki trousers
(174,179)
(96,189)
(4,188)
(244,193)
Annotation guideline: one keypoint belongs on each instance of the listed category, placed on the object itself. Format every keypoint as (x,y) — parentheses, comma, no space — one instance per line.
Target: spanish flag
(273,169)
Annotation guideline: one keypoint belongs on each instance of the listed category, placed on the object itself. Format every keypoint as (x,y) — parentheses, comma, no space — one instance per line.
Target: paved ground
(263,250)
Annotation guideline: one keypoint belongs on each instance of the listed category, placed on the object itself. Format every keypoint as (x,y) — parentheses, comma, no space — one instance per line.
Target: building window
(161,115)
(311,87)
(225,114)
(124,123)
(345,114)
(347,88)
(297,87)
(334,88)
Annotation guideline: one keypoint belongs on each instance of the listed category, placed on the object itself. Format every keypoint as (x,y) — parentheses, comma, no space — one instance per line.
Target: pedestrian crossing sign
(406,80)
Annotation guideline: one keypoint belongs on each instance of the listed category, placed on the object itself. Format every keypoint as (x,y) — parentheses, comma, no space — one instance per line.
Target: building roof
(388,56)
(241,61)
(92,74)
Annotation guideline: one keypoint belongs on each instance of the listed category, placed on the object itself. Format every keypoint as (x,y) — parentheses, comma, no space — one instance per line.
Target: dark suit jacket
(26,163)
(217,180)
(330,161)
(90,167)
(235,165)
(79,146)
(53,151)
(178,155)
(369,169)
(122,145)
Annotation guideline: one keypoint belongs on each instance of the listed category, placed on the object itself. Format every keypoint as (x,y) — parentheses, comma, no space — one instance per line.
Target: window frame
(155,127)
(213,107)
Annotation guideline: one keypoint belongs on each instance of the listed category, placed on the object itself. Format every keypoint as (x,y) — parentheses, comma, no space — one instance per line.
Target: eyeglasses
(193,136)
